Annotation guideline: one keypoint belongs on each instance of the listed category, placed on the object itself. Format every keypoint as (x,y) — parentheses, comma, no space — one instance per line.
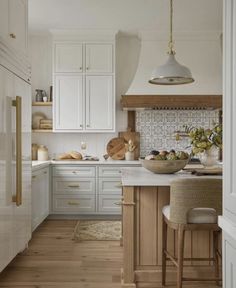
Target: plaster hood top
(200,51)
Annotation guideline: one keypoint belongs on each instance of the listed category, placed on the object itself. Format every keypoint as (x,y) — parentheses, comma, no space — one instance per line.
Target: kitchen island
(144,195)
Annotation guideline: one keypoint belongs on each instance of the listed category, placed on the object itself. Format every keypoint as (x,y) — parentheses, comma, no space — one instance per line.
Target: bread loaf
(65,156)
(76,155)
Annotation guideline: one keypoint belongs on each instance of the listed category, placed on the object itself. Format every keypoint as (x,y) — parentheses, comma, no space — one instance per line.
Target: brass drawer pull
(118,203)
(45,172)
(34,176)
(73,186)
(72,203)
(118,185)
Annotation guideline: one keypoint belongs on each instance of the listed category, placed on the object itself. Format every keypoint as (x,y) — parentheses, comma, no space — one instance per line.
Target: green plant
(203,139)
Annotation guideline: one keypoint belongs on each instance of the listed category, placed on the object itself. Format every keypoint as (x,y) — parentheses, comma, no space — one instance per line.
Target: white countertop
(139,176)
(75,162)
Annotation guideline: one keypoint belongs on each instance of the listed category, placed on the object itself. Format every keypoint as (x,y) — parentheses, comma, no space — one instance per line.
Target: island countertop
(139,176)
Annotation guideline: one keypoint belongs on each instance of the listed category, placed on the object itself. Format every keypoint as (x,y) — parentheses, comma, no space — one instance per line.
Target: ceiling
(128,16)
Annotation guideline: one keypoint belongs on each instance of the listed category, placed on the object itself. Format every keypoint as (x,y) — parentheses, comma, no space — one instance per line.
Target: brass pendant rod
(171,43)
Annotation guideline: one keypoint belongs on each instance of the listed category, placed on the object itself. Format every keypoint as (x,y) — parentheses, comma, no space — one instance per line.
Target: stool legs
(181,233)
(164,247)
(215,255)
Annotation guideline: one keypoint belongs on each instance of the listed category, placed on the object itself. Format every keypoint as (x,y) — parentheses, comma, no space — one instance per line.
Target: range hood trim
(177,102)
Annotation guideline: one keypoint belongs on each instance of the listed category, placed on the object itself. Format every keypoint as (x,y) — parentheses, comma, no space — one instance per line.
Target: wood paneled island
(144,195)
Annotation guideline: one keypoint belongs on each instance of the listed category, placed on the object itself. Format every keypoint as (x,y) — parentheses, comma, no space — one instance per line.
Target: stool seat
(196,215)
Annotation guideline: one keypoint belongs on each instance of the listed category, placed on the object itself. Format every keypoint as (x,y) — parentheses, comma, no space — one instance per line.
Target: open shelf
(41,103)
(42,130)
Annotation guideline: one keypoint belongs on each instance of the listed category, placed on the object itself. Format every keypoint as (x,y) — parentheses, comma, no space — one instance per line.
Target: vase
(129,155)
(209,157)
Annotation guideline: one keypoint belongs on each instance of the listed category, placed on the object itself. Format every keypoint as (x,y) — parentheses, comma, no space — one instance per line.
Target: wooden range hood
(152,102)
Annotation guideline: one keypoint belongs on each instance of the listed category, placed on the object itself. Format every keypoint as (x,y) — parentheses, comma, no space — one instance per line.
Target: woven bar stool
(195,204)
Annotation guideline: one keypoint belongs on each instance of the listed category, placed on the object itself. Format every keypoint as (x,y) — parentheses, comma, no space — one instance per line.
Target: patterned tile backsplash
(157,128)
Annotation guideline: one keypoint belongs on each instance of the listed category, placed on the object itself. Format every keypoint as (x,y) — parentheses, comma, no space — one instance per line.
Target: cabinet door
(99,58)
(40,196)
(99,103)
(230,263)
(229,110)
(68,57)
(68,103)
(4,19)
(18,24)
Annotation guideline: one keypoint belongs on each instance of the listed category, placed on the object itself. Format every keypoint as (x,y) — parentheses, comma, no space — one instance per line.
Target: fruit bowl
(164,166)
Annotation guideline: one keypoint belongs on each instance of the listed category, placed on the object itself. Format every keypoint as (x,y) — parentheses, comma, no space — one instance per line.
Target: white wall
(127,54)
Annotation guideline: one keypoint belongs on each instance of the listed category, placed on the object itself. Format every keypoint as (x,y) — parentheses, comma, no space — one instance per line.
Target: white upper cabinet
(99,102)
(14,37)
(18,24)
(99,58)
(68,57)
(84,85)
(3,18)
(68,103)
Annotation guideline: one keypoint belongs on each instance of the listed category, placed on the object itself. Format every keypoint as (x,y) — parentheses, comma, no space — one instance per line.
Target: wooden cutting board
(135,137)
(116,148)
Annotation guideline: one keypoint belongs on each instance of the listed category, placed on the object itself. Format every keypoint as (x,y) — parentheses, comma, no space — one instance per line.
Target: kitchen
(71,54)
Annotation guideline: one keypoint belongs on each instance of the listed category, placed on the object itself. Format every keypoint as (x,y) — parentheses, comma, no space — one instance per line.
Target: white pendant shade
(171,73)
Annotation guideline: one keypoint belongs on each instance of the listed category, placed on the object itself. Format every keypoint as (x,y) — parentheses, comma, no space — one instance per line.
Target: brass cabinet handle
(45,172)
(18,197)
(73,186)
(72,203)
(34,176)
(118,203)
(87,68)
(80,68)
(81,126)
(119,185)
(12,35)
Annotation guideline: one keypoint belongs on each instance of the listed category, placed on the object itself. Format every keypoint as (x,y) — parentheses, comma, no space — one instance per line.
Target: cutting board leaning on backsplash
(135,137)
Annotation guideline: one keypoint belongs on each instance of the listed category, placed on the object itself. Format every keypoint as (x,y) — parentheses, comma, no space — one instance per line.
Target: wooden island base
(142,237)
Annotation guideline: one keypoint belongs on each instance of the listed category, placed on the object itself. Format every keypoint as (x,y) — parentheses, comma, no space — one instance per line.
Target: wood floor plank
(55,260)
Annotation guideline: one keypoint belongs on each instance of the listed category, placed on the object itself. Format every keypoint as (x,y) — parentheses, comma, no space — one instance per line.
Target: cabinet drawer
(62,185)
(73,204)
(108,204)
(75,171)
(108,171)
(110,186)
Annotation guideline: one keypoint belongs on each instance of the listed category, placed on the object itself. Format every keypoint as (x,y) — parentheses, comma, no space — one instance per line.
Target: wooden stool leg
(164,247)
(215,255)
(181,233)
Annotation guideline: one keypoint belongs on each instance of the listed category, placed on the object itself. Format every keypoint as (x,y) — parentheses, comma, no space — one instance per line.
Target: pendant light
(172,72)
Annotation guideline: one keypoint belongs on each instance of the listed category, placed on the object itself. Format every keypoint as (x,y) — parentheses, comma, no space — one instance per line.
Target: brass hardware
(119,185)
(18,197)
(80,68)
(73,203)
(87,68)
(45,172)
(34,176)
(87,125)
(73,186)
(74,172)
(12,35)
(81,125)
(118,203)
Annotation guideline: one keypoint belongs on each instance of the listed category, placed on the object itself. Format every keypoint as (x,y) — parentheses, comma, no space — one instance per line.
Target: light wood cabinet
(68,103)
(40,196)
(84,87)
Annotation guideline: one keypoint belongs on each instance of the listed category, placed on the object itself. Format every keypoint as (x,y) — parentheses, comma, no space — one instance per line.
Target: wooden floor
(55,260)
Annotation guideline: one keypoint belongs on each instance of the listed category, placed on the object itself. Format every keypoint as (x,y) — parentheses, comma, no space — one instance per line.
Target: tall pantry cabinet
(15,131)
(228,220)
(84,83)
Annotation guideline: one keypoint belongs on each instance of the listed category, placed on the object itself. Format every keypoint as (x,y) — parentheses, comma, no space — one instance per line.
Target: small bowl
(164,166)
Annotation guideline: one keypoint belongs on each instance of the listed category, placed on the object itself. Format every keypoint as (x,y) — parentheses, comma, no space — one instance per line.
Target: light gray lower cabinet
(40,196)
